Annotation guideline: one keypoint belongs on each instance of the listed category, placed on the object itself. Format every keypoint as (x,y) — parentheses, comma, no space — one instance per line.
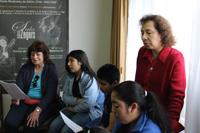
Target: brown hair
(39,46)
(162,26)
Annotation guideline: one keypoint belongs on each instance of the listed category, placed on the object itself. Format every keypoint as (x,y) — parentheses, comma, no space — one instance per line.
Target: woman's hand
(71,109)
(78,100)
(112,121)
(32,119)
(15,101)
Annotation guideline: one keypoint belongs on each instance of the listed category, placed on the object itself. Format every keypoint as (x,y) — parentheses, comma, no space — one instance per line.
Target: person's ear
(132,107)
(80,63)
(129,109)
(114,83)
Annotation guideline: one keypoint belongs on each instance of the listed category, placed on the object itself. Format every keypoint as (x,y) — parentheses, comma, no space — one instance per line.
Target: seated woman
(137,111)
(81,93)
(38,79)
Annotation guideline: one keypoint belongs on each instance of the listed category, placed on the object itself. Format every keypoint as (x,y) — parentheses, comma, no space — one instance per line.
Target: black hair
(108,73)
(132,92)
(81,56)
(38,46)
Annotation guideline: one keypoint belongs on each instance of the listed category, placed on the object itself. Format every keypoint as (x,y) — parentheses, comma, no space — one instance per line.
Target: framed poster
(22,22)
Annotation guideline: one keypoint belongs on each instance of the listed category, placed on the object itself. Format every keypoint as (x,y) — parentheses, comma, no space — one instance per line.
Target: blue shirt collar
(140,123)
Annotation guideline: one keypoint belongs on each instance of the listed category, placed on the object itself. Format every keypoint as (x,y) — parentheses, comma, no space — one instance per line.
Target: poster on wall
(22,22)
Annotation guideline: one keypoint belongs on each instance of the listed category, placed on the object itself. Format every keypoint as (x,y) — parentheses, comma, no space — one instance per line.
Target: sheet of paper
(13,90)
(75,127)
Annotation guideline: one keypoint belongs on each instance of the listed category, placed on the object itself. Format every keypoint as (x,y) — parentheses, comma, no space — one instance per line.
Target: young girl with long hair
(137,110)
(80,93)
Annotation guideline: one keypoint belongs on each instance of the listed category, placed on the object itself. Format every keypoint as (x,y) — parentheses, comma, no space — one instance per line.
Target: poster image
(24,21)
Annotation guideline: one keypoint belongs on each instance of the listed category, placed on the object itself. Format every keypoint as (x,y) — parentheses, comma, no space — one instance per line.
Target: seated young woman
(81,94)
(137,111)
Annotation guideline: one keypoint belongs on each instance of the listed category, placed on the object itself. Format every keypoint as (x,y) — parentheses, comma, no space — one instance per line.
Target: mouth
(147,44)
(34,61)
(70,68)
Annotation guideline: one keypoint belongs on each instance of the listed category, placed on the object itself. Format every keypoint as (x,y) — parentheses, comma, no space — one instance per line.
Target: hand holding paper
(13,90)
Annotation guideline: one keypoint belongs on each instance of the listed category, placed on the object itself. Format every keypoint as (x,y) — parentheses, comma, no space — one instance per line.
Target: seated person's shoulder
(151,127)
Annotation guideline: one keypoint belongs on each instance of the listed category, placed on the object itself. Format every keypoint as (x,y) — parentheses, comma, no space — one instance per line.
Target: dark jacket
(49,82)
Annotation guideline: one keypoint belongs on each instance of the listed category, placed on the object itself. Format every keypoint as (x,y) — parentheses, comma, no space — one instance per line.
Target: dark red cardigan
(165,76)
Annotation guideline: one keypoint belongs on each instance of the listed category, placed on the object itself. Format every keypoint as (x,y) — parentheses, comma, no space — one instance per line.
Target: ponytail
(156,113)
(132,92)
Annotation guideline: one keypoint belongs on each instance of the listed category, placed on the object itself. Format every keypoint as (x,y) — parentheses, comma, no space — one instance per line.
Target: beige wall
(90,29)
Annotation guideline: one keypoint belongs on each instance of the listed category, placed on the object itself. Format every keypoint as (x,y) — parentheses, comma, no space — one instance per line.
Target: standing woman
(38,79)
(137,111)
(81,94)
(161,68)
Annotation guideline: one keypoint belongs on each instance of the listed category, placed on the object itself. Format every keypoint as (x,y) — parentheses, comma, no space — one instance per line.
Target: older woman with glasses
(38,79)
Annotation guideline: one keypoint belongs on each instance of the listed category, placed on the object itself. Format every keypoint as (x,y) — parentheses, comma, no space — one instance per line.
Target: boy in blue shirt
(108,76)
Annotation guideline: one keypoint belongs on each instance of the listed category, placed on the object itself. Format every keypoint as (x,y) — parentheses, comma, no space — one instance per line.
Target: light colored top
(35,92)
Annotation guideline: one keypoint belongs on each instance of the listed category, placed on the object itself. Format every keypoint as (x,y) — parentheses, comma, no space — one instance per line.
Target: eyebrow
(113,101)
(147,30)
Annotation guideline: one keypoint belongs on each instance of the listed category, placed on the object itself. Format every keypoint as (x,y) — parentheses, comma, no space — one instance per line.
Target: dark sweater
(49,82)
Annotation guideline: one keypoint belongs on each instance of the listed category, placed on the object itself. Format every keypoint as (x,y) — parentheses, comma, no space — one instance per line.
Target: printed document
(13,90)
(75,127)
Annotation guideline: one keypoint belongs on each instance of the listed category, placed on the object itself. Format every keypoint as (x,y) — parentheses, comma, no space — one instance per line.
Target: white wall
(90,29)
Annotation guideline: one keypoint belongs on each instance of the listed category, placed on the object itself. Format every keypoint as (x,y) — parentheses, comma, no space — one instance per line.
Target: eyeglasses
(34,83)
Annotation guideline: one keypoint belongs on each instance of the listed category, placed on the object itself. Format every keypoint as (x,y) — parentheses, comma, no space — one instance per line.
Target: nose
(100,84)
(68,63)
(113,109)
(33,55)
(144,36)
